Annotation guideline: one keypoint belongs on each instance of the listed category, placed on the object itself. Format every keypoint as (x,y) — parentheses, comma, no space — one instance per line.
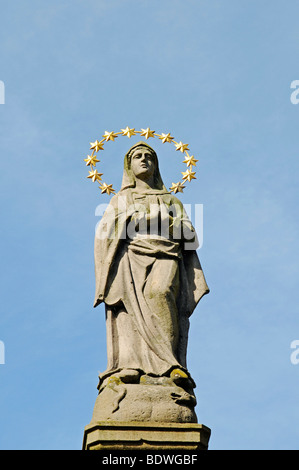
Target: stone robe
(149,280)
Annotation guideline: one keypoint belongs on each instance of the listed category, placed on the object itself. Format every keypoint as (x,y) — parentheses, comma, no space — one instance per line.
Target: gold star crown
(96,146)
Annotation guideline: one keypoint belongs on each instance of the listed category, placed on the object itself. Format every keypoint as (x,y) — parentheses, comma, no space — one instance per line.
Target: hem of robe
(104,375)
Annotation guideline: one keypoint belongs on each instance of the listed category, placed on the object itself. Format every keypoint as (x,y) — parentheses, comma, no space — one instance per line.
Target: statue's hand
(139,219)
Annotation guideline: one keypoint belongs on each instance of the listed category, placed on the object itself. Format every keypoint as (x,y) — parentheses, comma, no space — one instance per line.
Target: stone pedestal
(134,412)
(134,436)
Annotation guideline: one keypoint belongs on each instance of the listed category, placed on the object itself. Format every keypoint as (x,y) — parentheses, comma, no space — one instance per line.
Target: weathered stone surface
(146,436)
(147,271)
(155,399)
(149,277)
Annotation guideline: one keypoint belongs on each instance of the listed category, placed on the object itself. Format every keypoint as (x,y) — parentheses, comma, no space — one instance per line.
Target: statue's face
(143,163)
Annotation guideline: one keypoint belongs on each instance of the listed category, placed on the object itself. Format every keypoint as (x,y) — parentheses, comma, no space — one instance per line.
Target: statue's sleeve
(182,228)
(195,286)
(109,233)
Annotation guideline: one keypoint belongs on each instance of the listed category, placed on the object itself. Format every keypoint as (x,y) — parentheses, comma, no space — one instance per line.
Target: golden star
(166,138)
(177,187)
(182,147)
(188,175)
(96,146)
(128,132)
(190,160)
(94,175)
(109,136)
(91,160)
(107,188)
(147,133)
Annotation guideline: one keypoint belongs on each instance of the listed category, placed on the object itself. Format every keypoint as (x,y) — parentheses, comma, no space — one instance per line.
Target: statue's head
(141,162)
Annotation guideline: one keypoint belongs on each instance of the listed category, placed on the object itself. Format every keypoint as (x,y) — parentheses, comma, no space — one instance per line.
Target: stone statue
(149,276)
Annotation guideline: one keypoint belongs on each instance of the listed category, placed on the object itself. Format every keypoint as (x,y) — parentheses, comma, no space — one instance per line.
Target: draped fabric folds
(150,282)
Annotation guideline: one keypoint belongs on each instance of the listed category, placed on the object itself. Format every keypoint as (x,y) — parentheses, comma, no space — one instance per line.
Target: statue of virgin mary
(147,273)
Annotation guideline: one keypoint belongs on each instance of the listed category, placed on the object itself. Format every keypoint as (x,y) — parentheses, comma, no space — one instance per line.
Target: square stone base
(146,436)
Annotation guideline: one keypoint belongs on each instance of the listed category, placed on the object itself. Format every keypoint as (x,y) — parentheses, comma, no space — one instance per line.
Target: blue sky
(217,75)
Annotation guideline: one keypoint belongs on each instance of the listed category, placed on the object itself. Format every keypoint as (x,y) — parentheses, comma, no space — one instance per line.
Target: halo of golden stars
(95,147)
